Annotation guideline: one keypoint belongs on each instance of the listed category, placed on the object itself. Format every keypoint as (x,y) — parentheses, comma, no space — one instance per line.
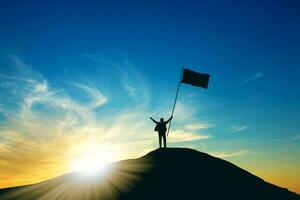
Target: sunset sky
(79,81)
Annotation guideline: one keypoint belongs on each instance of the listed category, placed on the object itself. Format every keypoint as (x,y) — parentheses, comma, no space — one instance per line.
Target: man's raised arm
(153,120)
(169,119)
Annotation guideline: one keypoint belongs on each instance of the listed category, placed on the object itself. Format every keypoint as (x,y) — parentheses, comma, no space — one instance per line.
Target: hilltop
(172,173)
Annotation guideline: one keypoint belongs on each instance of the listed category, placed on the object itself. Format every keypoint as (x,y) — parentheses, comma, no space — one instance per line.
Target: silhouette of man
(161,128)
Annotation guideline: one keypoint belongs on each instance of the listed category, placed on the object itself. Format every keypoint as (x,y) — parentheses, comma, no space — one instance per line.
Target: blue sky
(101,69)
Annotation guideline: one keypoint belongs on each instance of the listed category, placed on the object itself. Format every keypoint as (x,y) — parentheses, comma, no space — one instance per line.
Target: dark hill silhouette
(171,173)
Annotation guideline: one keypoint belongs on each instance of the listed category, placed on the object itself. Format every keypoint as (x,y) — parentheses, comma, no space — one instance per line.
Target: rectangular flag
(195,78)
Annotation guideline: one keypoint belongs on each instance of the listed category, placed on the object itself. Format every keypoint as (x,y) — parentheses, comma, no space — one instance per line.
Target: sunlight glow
(89,165)
(92,159)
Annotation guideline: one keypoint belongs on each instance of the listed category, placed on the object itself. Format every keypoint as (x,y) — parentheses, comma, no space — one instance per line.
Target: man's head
(161,119)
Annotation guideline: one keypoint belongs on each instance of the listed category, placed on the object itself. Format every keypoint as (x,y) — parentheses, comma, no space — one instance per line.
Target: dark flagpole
(175,99)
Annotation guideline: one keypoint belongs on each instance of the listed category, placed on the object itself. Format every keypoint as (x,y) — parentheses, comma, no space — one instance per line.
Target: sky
(79,81)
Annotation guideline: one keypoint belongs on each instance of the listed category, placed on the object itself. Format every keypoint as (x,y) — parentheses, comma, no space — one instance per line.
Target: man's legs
(159,139)
(165,140)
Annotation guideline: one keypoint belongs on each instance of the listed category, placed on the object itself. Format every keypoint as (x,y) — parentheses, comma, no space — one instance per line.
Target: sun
(92,159)
(89,165)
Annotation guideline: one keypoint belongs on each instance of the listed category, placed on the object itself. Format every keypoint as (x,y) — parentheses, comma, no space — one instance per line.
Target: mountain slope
(172,173)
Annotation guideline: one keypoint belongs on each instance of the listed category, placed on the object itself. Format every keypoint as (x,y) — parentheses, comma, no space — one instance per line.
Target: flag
(195,78)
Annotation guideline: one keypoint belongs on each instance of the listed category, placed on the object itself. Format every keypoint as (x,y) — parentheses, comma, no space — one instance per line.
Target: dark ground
(173,173)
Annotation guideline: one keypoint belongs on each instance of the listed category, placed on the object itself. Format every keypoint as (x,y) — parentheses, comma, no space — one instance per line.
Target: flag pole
(175,100)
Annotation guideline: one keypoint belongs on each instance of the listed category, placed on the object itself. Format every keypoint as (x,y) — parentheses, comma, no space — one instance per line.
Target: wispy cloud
(184,111)
(133,81)
(97,97)
(183,136)
(297,137)
(253,77)
(230,154)
(90,56)
(198,126)
(238,128)
(129,86)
